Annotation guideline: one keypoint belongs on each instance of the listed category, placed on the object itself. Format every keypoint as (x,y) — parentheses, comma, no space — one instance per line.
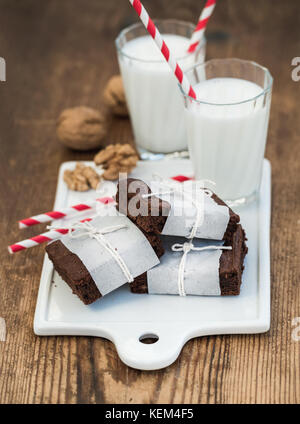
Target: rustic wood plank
(60,54)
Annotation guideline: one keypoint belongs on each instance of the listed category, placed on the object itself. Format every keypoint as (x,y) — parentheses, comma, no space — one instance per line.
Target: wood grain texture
(59,54)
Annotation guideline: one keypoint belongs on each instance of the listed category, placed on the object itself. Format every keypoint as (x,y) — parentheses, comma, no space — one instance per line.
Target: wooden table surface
(59,54)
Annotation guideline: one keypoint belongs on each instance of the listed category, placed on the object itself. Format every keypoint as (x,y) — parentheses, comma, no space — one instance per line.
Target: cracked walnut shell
(81,128)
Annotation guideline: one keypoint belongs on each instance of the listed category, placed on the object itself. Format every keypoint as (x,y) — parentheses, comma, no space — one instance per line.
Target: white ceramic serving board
(124,318)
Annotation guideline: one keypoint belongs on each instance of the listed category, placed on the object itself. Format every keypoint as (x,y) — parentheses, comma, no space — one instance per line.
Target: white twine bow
(186,248)
(181,188)
(87,229)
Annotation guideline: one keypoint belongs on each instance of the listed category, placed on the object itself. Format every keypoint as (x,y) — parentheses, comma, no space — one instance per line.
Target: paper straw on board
(63,213)
(40,239)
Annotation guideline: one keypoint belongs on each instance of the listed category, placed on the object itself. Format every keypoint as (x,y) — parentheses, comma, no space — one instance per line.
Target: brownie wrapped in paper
(203,268)
(97,257)
(177,209)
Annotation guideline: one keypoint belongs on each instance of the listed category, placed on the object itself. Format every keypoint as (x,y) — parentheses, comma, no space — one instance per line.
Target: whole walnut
(81,128)
(114,96)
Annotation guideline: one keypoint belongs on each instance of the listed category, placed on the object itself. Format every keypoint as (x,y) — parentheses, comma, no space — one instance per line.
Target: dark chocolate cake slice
(232,263)
(230,269)
(153,212)
(234,219)
(71,269)
(73,272)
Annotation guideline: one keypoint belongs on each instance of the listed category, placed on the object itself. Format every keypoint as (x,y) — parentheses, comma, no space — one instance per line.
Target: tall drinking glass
(153,98)
(227,125)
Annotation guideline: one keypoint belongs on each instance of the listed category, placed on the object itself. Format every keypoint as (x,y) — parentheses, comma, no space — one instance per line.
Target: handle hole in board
(149,338)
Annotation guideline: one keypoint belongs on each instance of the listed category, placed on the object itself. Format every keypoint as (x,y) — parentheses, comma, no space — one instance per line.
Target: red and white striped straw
(63,213)
(201,25)
(58,232)
(155,34)
(41,238)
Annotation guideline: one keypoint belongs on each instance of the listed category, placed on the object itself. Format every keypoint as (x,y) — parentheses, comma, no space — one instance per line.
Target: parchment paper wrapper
(201,276)
(130,243)
(213,220)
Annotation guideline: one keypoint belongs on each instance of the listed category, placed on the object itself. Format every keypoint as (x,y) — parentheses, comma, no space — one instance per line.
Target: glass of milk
(154,101)
(227,125)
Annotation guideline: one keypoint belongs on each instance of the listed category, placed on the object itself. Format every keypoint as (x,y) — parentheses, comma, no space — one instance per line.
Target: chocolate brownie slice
(232,263)
(234,219)
(71,269)
(230,269)
(155,242)
(73,272)
(153,212)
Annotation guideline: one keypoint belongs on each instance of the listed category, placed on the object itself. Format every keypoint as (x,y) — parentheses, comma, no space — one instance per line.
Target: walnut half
(82,178)
(116,158)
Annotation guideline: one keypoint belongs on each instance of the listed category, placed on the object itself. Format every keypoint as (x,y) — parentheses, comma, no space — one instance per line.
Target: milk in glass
(152,93)
(227,131)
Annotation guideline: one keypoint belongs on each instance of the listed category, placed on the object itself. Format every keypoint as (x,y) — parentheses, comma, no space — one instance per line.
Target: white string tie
(186,248)
(88,230)
(174,187)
